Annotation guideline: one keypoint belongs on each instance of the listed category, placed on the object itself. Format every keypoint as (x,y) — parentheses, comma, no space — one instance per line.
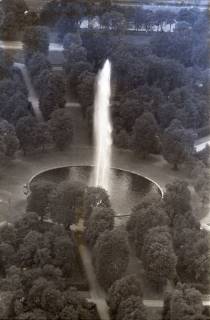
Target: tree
(5,64)
(27,250)
(43,137)
(37,63)
(75,53)
(71,39)
(158,256)
(177,144)
(61,129)
(49,102)
(177,199)
(166,74)
(18,8)
(193,262)
(34,299)
(33,315)
(8,234)
(29,221)
(38,200)
(52,301)
(113,20)
(127,112)
(9,87)
(47,81)
(123,289)
(8,28)
(69,313)
(111,257)
(100,220)
(85,89)
(9,138)
(132,309)
(74,71)
(95,197)
(144,217)
(185,303)
(64,255)
(15,108)
(26,129)
(145,131)
(66,201)
(35,39)
(202,186)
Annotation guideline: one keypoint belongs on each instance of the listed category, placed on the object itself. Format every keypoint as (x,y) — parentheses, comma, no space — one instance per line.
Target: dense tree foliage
(38,200)
(31,134)
(132,308)
(14,18)
(177,199)
(60,126)
(158,256)
(35,39)
(111,257)
(148,214)
(100,220)
(184,302)
(66,202)
(38,263)
(121,290)
(145,135)
(177,144)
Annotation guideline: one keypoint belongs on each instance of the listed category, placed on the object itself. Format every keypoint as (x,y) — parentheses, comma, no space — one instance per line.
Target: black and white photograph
(104,159)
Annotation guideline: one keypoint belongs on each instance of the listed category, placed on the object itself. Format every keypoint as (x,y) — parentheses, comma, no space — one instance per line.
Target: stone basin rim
(92,166)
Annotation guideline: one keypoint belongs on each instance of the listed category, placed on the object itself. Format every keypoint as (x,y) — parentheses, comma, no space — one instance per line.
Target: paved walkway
(31,92)
(200,144)
(18,45)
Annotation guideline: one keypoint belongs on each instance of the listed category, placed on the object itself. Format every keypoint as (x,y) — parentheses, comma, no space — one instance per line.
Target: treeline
(160,95)
(68,16)
(160,231)
(40,267)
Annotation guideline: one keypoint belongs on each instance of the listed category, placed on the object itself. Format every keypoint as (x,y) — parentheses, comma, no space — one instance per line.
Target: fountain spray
(103,127)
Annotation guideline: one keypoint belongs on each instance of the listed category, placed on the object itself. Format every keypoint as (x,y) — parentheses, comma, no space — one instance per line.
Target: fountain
(103,127)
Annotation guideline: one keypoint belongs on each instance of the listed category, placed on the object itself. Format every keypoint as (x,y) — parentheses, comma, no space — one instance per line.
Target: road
(31,92)
(201,143)
(18,45)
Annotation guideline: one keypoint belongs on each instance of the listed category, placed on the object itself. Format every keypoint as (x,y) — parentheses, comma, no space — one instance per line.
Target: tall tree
(121,290)
(177,199)
(38,200)
(158,257)
(145,134)
(65,202)
(61,129)
(177,144)
(184,302)
(111,257)
(144,217)
(35,39)
(101,219)
(95,197)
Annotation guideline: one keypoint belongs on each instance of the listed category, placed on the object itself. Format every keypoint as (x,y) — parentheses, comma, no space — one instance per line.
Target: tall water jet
(103,127)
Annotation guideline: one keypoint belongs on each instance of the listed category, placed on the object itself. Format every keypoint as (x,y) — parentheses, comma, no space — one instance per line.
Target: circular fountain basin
(126,188)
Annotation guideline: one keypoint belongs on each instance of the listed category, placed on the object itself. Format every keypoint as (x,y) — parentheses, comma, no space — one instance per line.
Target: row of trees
(15,16)
(182,302)
(167,92)
(164,90)
(38,264)
(68,17)
(162,233)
